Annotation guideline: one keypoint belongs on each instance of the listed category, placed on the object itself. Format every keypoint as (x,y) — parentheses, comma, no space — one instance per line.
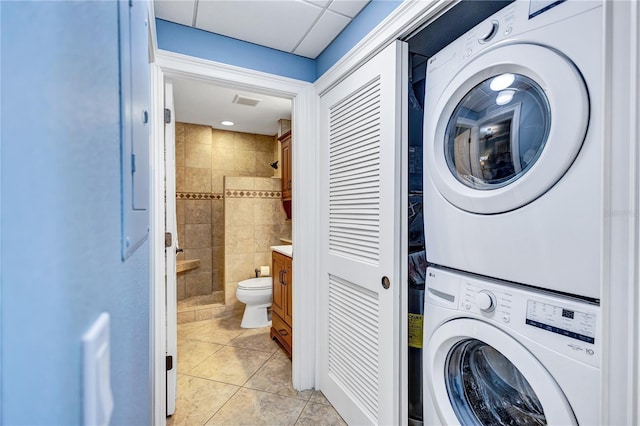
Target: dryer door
(482,376)
(506,128)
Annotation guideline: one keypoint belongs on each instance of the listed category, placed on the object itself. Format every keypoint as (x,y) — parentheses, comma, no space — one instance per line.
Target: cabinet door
(279,296)
(288,292)
(286,168)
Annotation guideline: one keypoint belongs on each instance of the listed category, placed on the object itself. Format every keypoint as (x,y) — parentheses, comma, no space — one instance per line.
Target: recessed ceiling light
(227,123)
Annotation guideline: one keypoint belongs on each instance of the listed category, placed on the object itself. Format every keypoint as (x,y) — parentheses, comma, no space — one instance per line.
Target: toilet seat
(261,283)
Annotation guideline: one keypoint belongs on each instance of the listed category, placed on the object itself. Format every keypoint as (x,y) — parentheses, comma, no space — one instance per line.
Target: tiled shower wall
(254,221)
(204,156)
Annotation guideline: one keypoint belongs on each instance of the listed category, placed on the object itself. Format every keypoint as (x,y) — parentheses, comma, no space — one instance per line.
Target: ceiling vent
(241,100)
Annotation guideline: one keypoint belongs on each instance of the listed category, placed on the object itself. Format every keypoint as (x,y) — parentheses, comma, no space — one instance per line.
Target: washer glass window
(485,388)
(497,131)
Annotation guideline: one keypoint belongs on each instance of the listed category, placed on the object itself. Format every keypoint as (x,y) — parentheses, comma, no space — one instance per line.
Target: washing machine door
(506,128)
(482,376)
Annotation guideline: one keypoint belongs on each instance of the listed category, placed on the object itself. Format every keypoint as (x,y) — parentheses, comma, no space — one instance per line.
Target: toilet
(256,293)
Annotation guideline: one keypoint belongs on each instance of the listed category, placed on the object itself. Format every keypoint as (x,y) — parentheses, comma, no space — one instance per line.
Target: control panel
(567,325)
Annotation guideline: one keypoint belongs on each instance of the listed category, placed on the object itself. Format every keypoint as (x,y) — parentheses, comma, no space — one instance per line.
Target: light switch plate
(97,396)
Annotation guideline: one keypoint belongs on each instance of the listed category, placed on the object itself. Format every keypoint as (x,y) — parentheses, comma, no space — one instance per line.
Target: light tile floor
(228,375)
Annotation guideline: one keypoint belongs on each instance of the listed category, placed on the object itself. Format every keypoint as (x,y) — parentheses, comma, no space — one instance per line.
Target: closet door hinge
(169,359)
(168,239)
(167,116)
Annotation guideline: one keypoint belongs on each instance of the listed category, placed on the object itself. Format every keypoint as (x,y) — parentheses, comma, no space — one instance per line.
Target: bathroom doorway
(222,205)
(170,66)
(227,184)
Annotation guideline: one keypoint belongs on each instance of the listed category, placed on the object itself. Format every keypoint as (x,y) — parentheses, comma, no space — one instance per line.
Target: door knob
(386,283)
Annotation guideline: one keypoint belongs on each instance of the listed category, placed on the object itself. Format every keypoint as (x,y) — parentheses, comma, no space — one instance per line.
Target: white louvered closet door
(361,128)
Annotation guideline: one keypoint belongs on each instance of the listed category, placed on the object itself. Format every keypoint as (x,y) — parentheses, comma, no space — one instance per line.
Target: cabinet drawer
(281,331)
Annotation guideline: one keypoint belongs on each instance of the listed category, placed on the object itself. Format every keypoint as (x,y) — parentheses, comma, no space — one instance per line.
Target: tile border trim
(251,193)
(229,193)
(198,196)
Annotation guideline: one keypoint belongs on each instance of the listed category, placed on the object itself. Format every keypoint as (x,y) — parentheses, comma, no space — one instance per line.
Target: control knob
(488,31)
(486,301)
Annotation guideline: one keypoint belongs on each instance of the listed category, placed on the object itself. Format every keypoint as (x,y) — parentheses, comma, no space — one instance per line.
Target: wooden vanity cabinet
(281,305)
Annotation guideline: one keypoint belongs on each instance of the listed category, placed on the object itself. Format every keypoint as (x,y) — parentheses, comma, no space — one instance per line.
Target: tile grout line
(222,406)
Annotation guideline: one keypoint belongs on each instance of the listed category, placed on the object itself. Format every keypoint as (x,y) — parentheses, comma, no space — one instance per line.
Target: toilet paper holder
(262,271)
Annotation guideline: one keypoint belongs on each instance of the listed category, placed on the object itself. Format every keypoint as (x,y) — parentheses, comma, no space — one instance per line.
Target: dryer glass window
(485,388)
(497,131)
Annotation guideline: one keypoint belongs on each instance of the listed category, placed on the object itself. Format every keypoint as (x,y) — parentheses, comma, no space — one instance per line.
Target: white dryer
(513,148)
(497,354)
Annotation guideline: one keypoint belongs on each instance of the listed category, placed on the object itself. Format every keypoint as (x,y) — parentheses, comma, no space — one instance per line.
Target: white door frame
(304,225)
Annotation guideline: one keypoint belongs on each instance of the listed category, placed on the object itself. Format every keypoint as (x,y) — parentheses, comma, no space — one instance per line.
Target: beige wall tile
(268,184)
(244,161)
(195,133)
(217,180)
(179,132)
(180,212)
(217,282)
(204,254)
(238,267)
(180,179)
(198,284)
(239,182)
(262,259)
(265,143)
(217,212)
(222,158)
(181,289)
(197,211)
(198,155)
(244,141)
(262,164)
(230,298)
(239,211)
(217,235)
(239,239)
(197,236)
(285,229)
(266,236)
(197,180)
(180,153)
(222,139)
(269,211)
(217,258)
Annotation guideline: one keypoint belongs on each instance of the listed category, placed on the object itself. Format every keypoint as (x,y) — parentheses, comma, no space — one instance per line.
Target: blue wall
(374,13)
(202,44)
(61,263)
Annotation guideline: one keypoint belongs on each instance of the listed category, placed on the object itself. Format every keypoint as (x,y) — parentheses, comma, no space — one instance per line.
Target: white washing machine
(513,148)
(498,354)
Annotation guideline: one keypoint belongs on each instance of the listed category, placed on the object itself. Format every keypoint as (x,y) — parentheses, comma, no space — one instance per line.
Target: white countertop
(287,250)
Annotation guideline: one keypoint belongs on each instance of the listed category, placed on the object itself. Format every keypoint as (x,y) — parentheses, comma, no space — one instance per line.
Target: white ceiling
(301,27)
(197,102)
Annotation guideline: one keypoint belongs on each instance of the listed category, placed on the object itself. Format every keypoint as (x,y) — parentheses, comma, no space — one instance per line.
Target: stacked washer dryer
(513,153)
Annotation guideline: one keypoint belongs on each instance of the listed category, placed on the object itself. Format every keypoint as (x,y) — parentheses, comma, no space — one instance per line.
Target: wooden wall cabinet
(285,151)
(281,321)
